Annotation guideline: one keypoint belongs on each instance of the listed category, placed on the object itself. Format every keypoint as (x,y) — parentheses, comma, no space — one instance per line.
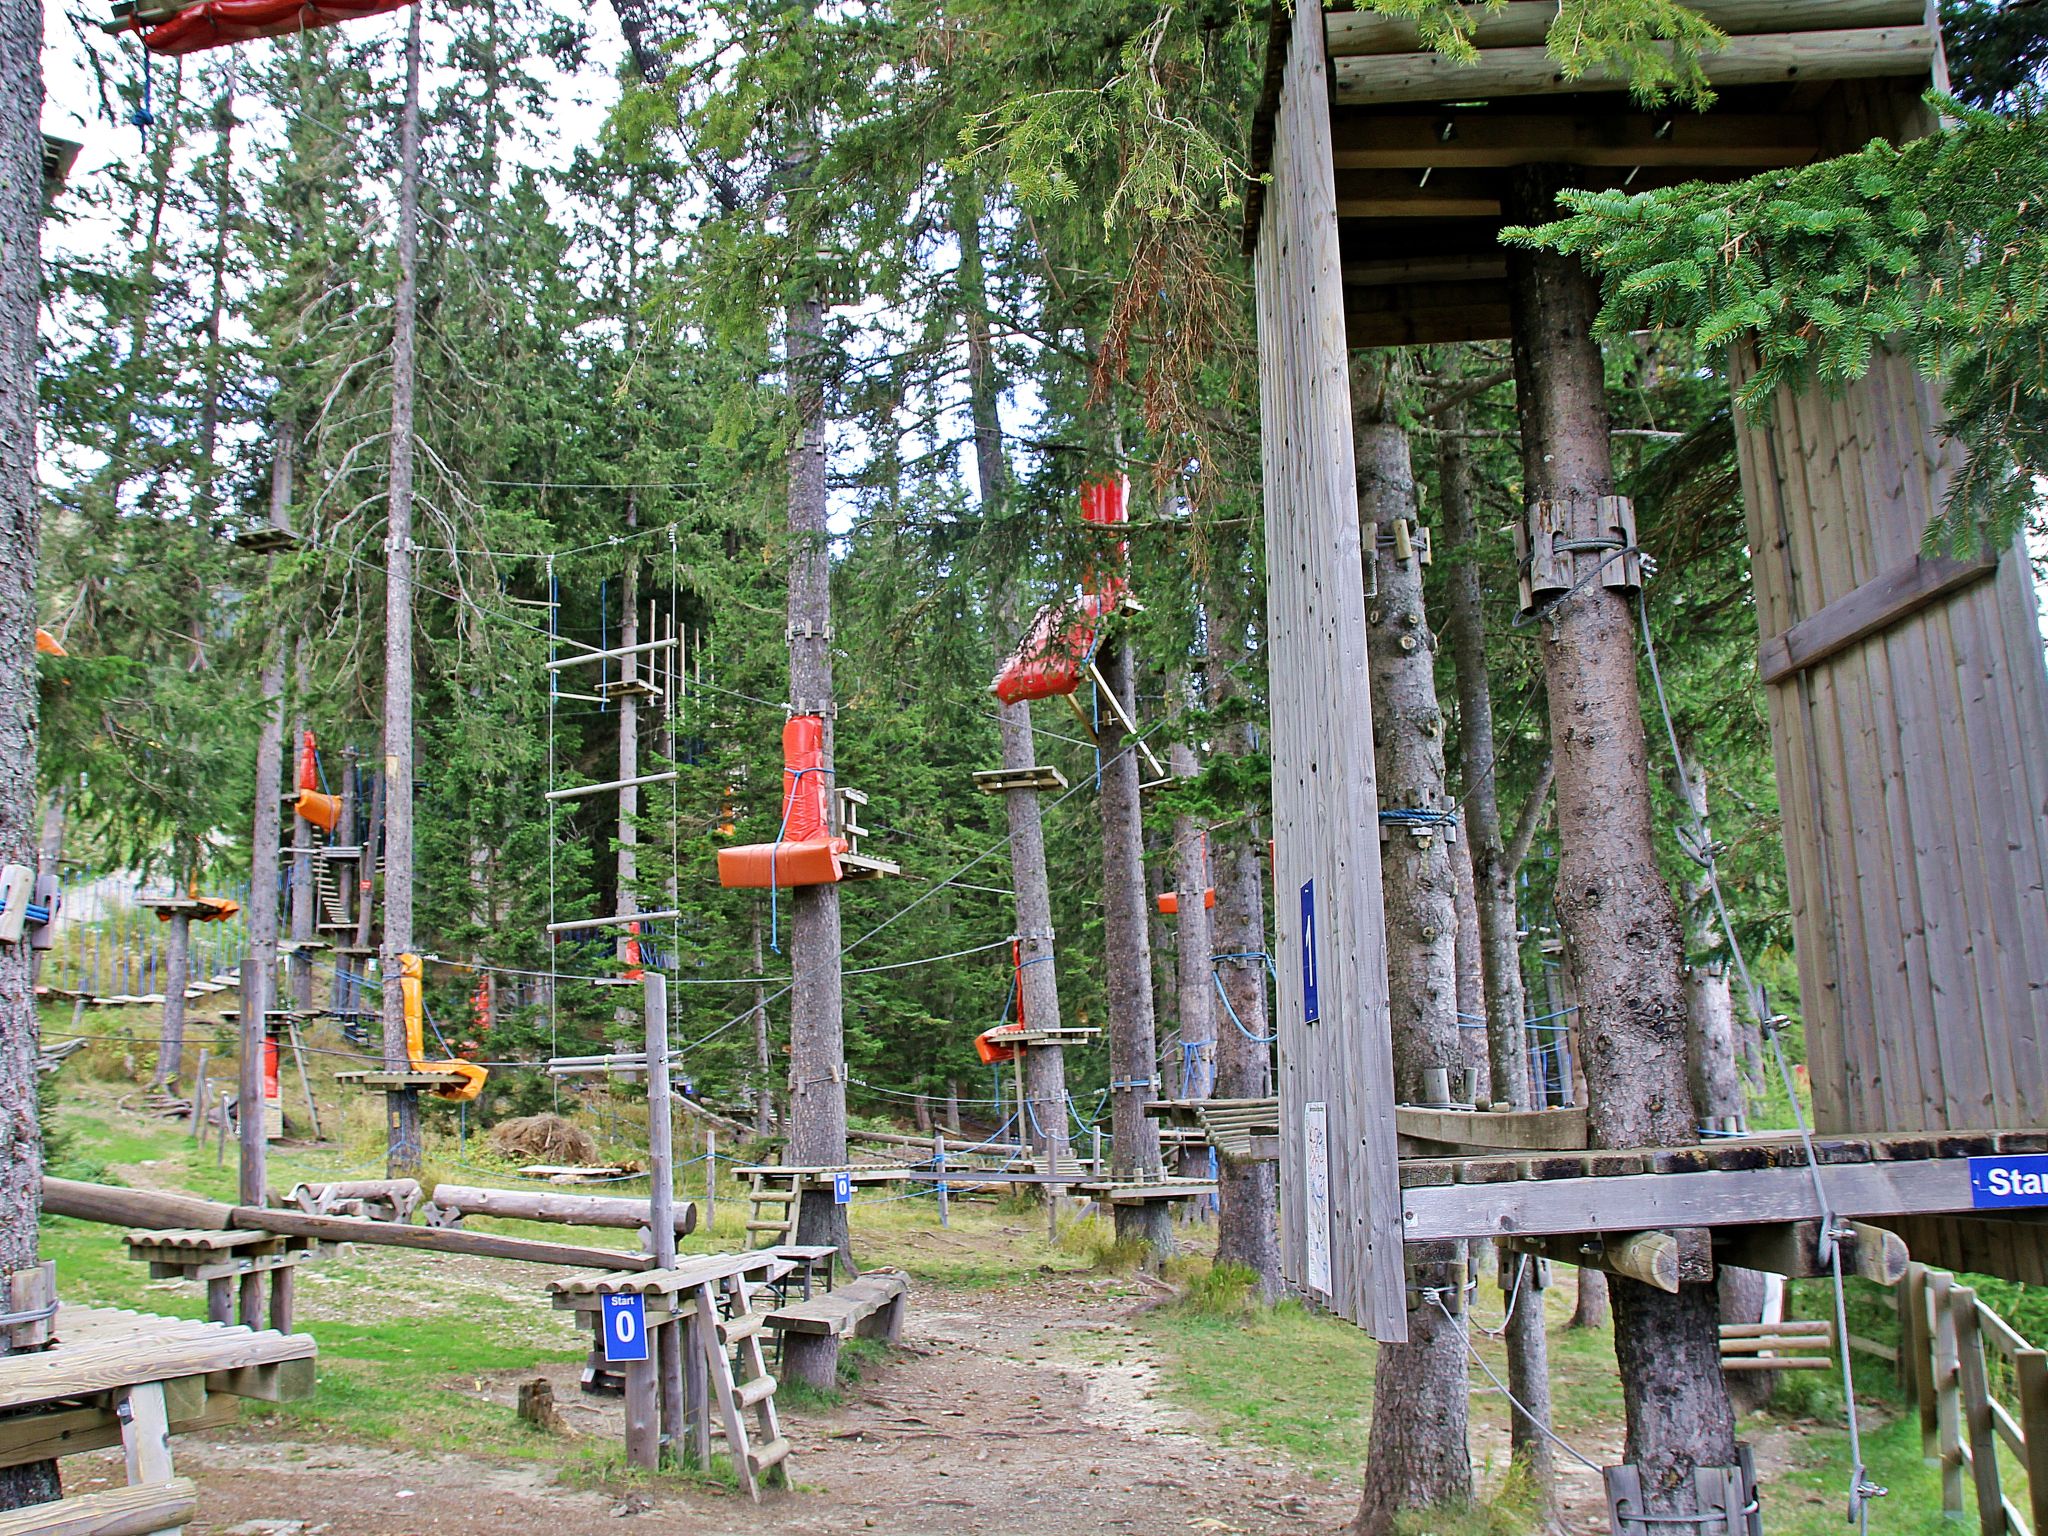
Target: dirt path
(995,1421)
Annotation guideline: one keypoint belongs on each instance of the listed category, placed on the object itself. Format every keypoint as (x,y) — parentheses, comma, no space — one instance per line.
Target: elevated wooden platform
(994,781)
(380,1081)
(1146,1193)
(1243,1130)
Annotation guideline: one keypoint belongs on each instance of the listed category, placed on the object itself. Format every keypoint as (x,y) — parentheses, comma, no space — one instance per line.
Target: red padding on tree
(1169,903)
(1047,663)
(807,853)
(323,811)
(217,23)
(988,1045)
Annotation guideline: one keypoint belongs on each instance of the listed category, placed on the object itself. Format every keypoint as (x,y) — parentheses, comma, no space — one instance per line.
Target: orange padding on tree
(217,23)
(1047,662)
(807,853)
(989,1047)
(1169,904)
(322,810)
(473,1076)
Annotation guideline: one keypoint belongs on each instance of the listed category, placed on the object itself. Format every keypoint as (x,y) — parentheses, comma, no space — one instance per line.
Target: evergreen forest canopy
(1026,223)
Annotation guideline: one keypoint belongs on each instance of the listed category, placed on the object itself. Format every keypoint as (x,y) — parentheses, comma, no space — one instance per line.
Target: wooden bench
(869,1308)
(1791,1345)
(225,1259)
(133,1380)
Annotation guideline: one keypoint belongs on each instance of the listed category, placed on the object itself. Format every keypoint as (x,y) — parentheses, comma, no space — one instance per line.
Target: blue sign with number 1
(625,1328)
(1310,1009)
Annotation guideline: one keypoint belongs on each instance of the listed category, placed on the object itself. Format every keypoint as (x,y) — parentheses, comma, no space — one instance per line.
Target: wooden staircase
(772,1221)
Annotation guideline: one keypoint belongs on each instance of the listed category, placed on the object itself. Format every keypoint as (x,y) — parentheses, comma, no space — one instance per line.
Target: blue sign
(2016,1179)
(842,1189)
(625,1328)
(1310,1011)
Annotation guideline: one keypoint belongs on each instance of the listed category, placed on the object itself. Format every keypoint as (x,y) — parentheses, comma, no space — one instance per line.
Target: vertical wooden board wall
(1325,806)
(1913,775)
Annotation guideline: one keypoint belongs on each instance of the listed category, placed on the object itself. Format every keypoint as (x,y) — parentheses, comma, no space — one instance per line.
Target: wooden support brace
(1871,608)
(1793,1248)
(1664,1260)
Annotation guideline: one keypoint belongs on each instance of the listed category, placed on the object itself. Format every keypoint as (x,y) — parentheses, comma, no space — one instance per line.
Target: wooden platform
(861,866)
(870,1307)
(1731,1182)
(397,1082)
(1243,1130)
(205,1254)
(1143,1194)
(993,781)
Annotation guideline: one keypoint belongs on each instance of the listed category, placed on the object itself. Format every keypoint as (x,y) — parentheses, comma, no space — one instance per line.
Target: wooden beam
(1718,1198)
(1426,270)
(1862,53)
(1476,139)
(1526,23)
(1664,1260)
(1526,1130)
(140,1510)
(1875,606)
(1793,1248)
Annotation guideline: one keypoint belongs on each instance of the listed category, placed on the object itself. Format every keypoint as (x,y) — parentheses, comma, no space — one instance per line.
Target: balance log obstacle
(145,1208)
(870,1308)
(452,1202)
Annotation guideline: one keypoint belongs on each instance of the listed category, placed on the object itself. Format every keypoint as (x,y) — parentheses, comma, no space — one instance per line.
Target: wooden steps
(775,1195)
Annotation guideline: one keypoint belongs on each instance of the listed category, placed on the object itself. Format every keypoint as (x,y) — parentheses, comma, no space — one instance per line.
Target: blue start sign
(2017,1179)
(842,1189)
(625,1328)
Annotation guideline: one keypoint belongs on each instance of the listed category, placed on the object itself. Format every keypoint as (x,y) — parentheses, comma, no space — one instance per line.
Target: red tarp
(217,23)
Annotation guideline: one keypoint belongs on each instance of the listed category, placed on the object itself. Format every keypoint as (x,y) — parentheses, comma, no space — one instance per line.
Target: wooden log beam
(1793,1248)
(1526,23)
(1870,609)
(144,1208)
(1862,53)
(1663,1260)
(1526,1130)
(571,1210)
(140,1510)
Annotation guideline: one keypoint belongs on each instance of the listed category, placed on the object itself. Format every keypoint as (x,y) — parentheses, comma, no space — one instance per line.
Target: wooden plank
(138,1511)
(87,1369)
(838,1312)
(1524,1129)
(46,1436)
(1976,1409)
(145,1432)
(1859,53)
(1326,820)
(1638,1202)
(1793,1249)
(1948,1395)
(1481,139)
(1875,606)
(2030,1384)
(1526,23)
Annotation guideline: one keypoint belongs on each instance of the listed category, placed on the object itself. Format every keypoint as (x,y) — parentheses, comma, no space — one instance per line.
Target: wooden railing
(1978,1386)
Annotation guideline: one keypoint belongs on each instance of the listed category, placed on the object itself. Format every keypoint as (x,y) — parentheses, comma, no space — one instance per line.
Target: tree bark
(170,1045)
(764,1062)
(1194,950)
(404,1155)
(1127,969)
(1620,924)
(21,203)
(1717,1095)
(1498,924)
(1471,970)
(1417,1457)
(1589,1308)
(1045,1066)
(49,859)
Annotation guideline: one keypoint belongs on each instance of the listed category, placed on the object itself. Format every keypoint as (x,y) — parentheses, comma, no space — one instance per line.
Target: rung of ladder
(778,1196)
(732,1330)
(758,1390)
(618,650)
(616,920)
(597,789)
(762,1457)
(768,1226)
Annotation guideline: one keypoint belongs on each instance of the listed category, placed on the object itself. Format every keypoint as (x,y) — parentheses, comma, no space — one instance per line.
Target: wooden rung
(759,1390)
(733,1329)
(762,1457)
(135,1510)
(1777,1363)
(772,1196)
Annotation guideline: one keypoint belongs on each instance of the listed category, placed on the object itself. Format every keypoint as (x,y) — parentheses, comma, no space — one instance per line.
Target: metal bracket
(1559,544)
(825,709)
(805,632)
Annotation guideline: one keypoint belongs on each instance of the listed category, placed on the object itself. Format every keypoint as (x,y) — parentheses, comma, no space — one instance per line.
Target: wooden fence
(1979,1386)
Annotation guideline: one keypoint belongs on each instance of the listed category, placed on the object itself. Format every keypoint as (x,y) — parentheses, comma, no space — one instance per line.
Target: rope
(1436,1299)
(1861,1488)
(1231,1008)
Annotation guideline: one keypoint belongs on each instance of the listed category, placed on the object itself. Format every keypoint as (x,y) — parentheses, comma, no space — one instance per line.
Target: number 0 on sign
(625,1328)
(842,1189)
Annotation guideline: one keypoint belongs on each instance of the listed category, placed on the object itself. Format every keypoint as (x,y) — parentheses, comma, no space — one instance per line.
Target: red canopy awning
(217,23)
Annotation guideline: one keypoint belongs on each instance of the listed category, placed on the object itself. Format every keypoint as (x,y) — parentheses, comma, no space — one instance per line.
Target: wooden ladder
(777,1194)
(738,1378)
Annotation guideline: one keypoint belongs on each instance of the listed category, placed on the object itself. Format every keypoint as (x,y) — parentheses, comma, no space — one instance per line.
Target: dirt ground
(990,1424)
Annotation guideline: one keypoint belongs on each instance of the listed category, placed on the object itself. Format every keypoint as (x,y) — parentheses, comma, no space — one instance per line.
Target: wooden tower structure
(1908,698)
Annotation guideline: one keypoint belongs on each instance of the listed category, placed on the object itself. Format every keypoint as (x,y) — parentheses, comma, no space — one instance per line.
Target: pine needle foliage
(1938,247)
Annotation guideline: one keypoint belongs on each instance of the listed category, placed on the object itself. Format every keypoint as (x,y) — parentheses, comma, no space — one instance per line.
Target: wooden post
(661,1199)
(282,1288)
(2030,1383)
(1975,1388)
(220,1300)
(1916,1338)
(1948,1412)
(199,1100)
(403,1155)
(939,1166)
(643,1416)
(305,1081)
(710,1178)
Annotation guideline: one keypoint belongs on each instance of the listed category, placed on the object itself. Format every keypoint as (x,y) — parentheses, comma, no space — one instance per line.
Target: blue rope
(1231,1009)
(1416,817)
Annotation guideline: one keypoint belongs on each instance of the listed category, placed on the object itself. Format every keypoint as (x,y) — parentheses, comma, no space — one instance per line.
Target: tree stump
(537,1407)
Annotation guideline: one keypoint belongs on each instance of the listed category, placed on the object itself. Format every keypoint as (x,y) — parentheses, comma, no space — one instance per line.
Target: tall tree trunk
(49,859)
(404,1154)
(1127,969)
(1619,921)
(170,1045)
(1500,959)
(21,203)
(1717,1095)
(304,882)
(1417,1457)
(1247,1194)
(627,872)
(1471,970)
(764,1063)
(1194,950)
(1045,1066)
